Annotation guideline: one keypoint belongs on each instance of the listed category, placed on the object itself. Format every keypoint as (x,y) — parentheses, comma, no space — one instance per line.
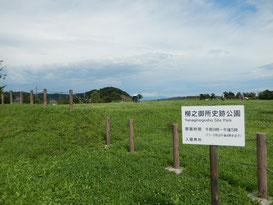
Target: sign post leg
(214,175)
(261,164)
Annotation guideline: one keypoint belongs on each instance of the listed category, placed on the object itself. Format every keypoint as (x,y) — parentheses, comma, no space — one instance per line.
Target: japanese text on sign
(213,125)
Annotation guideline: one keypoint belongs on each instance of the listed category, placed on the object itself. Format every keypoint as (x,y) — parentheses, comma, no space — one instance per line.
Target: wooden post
(262,164)
(21,97)
(214,175)
(10,97)
(131,132)
(176,163)
(107,131)
(2,99)
(45,97)
(31,97)
(71,99)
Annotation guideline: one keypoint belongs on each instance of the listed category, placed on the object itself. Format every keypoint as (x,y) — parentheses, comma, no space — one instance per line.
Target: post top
(260,133)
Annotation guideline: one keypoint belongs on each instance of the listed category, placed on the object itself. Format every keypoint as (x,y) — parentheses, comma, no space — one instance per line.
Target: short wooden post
(214,175)
(21,97)
(45,97)
(176,163)
(131,132)
(107,131)
(262,164)
(2,99)
(10,97)
(71,99)
(31,97)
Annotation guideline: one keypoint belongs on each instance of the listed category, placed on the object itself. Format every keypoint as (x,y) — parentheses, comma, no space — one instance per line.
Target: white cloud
(263,72)
(108,82)
(162,41)
(145,94)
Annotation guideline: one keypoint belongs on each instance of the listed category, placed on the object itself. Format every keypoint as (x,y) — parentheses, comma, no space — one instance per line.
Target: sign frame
(222,125)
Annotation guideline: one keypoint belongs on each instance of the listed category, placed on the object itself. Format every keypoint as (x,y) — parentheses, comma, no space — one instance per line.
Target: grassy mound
(54,156)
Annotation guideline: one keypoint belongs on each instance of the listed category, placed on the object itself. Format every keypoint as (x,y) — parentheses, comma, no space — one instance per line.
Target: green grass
(54,156)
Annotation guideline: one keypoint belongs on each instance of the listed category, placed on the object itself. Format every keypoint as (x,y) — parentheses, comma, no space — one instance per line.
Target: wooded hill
(107,94)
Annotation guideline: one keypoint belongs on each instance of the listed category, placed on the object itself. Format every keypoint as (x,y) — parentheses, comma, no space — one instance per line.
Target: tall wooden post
(262,164)
(21,97)
(2,99)
(131,132)
(10,97)
(214,175)
(45,97)
(31,97)
(71,99)
(176,163)
(107,131)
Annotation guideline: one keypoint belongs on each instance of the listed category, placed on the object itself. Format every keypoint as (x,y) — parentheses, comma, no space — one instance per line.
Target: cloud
(146,95)
(179,47)
(263,72)
(142,74)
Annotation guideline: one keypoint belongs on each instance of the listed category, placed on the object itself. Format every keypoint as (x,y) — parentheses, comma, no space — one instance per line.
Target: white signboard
(213,125)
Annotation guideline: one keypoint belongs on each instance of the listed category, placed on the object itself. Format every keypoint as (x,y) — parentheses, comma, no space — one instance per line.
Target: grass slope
(54,156)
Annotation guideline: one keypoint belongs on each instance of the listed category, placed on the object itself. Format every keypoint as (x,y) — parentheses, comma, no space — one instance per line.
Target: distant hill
(108,91)
(107,94)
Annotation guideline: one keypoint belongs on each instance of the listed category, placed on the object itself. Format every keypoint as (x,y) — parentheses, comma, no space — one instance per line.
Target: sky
(157,48)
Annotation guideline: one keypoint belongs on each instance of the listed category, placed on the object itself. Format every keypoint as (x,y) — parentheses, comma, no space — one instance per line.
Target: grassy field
(54,156)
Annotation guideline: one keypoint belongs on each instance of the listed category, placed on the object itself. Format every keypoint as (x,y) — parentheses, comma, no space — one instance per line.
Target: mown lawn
(54,156)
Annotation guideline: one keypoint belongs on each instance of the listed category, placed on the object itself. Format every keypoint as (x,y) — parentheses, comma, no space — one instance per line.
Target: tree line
(263,95)
(111,94)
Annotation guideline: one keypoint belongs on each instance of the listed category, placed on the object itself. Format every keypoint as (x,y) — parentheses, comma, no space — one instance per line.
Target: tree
(115,97)
(106,99)
(238,95)
(225,95)
(137,97)
(266,95)
(204,96)
(229,95)
(2,75)
(95,97)
(251,95)
(212,96)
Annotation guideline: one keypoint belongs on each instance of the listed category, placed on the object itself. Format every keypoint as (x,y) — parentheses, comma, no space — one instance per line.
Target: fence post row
(107,131)
(10,97)
(261,150)
(31,97)
(71,99)
(262,164)
(131,133)
(176,163)
(45,97)
(2,99)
